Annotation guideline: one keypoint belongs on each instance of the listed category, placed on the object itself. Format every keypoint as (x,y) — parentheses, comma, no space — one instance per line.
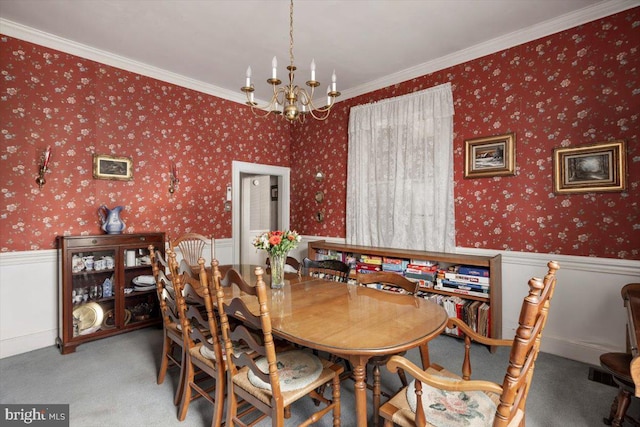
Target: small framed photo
(113,168)
(590,168)
(274,193)
(490,156)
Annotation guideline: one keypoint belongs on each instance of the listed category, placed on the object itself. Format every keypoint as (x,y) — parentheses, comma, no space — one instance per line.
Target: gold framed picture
(599,167)
(490,156)
(112,168)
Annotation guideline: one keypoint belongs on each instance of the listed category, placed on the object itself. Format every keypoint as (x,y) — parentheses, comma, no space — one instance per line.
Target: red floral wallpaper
(80,107)
(575,87)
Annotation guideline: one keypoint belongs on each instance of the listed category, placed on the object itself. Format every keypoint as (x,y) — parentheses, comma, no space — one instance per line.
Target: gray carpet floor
(112,382)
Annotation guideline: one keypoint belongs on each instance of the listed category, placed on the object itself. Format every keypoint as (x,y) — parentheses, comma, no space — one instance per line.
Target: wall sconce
(43,167)
(319,176)
(173,178)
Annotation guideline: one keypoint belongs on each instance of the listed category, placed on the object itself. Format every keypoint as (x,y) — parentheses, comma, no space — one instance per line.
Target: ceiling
(208,44)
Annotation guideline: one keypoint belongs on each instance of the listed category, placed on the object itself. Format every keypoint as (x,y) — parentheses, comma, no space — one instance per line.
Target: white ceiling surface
(207,44)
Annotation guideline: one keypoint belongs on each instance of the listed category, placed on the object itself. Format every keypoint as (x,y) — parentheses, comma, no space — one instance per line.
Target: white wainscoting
(29,297)
(587,317)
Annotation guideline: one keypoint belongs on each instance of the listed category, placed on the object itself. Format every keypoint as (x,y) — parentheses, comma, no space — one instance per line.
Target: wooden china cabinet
(105,286)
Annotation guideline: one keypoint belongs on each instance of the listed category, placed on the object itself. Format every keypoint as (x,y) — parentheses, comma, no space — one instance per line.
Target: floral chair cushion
(296,369)
(444,408)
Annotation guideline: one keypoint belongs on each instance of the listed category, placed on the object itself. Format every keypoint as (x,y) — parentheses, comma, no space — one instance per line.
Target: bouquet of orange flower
(277,242)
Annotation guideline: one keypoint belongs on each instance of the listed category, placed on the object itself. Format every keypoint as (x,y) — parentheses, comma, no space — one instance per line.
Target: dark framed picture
(490,156)
(274,193)
(590,168)
(113,168)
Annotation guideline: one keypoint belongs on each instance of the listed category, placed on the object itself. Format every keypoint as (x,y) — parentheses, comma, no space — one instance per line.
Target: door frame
(237,169)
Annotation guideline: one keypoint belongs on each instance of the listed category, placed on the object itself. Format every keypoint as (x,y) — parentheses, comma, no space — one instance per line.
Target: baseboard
(582,352)
(25,343)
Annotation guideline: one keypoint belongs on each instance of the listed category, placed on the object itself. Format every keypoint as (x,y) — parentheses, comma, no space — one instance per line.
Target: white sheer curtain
(400,172)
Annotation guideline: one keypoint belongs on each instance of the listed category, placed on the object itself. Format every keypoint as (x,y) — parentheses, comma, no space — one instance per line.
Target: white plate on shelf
(144,280)
(144,288)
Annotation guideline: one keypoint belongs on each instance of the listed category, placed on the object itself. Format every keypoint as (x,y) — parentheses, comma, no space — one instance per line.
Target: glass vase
(277,270)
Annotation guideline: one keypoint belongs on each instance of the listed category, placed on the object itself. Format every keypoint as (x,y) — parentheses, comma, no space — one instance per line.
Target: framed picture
(490,156)
(274,193)
(590,168)
(110,167)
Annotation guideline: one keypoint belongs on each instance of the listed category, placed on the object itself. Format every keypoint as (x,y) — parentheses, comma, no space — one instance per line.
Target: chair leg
(181,385)
(185,394)
(376,395)
(336,400)
(218,403)
(618,409)
(164,362)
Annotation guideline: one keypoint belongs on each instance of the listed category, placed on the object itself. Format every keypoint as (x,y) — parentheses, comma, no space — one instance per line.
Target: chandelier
(292,101)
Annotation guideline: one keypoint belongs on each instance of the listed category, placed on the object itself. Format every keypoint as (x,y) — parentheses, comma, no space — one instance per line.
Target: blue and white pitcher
(111,222)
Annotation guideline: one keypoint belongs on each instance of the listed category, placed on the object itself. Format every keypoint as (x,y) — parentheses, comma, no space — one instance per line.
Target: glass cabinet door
(140,294)
(92,291)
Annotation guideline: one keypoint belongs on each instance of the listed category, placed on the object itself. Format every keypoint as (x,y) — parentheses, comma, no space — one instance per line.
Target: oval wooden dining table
(350,321)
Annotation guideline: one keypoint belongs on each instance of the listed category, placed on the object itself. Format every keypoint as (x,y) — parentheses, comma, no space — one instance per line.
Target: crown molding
(524,35)
(32,35)
(515,38)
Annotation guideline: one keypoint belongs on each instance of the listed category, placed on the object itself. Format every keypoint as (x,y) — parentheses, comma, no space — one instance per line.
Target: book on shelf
(418,268)
(465,286)
(470,270)
(465,278)
(396,268)
(371,259)
(424,262)
(362,267)
(422,283)
(461,291)
(424,275)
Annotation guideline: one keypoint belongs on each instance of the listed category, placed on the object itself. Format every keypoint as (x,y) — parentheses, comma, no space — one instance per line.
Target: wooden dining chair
(622,366)
(430,399)
(172,349)
(386,282)
(328,269)
(274,380)
(202,347)
(191,247)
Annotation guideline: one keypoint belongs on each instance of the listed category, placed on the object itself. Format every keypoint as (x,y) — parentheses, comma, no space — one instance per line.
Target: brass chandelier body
(292,101)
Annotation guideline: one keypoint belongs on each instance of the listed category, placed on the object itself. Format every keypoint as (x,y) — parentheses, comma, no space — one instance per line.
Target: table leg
(359,364)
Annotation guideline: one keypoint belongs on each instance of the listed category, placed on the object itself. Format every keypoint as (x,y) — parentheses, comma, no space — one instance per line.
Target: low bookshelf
(454,299)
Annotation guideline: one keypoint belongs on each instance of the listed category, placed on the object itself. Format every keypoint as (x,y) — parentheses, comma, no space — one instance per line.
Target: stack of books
(465,280)
(395,265)
(424,274)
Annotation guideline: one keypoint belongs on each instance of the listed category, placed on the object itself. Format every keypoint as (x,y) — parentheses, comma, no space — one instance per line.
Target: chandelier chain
(291,33)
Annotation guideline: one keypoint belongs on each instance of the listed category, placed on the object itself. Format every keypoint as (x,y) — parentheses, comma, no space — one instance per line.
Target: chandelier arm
(270,107)
(318,117)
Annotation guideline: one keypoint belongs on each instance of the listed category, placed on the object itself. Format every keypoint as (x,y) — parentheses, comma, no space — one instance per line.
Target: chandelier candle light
(277,244)
(292,101)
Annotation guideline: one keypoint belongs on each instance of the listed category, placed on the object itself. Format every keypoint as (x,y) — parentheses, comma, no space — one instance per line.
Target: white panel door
(256,216)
